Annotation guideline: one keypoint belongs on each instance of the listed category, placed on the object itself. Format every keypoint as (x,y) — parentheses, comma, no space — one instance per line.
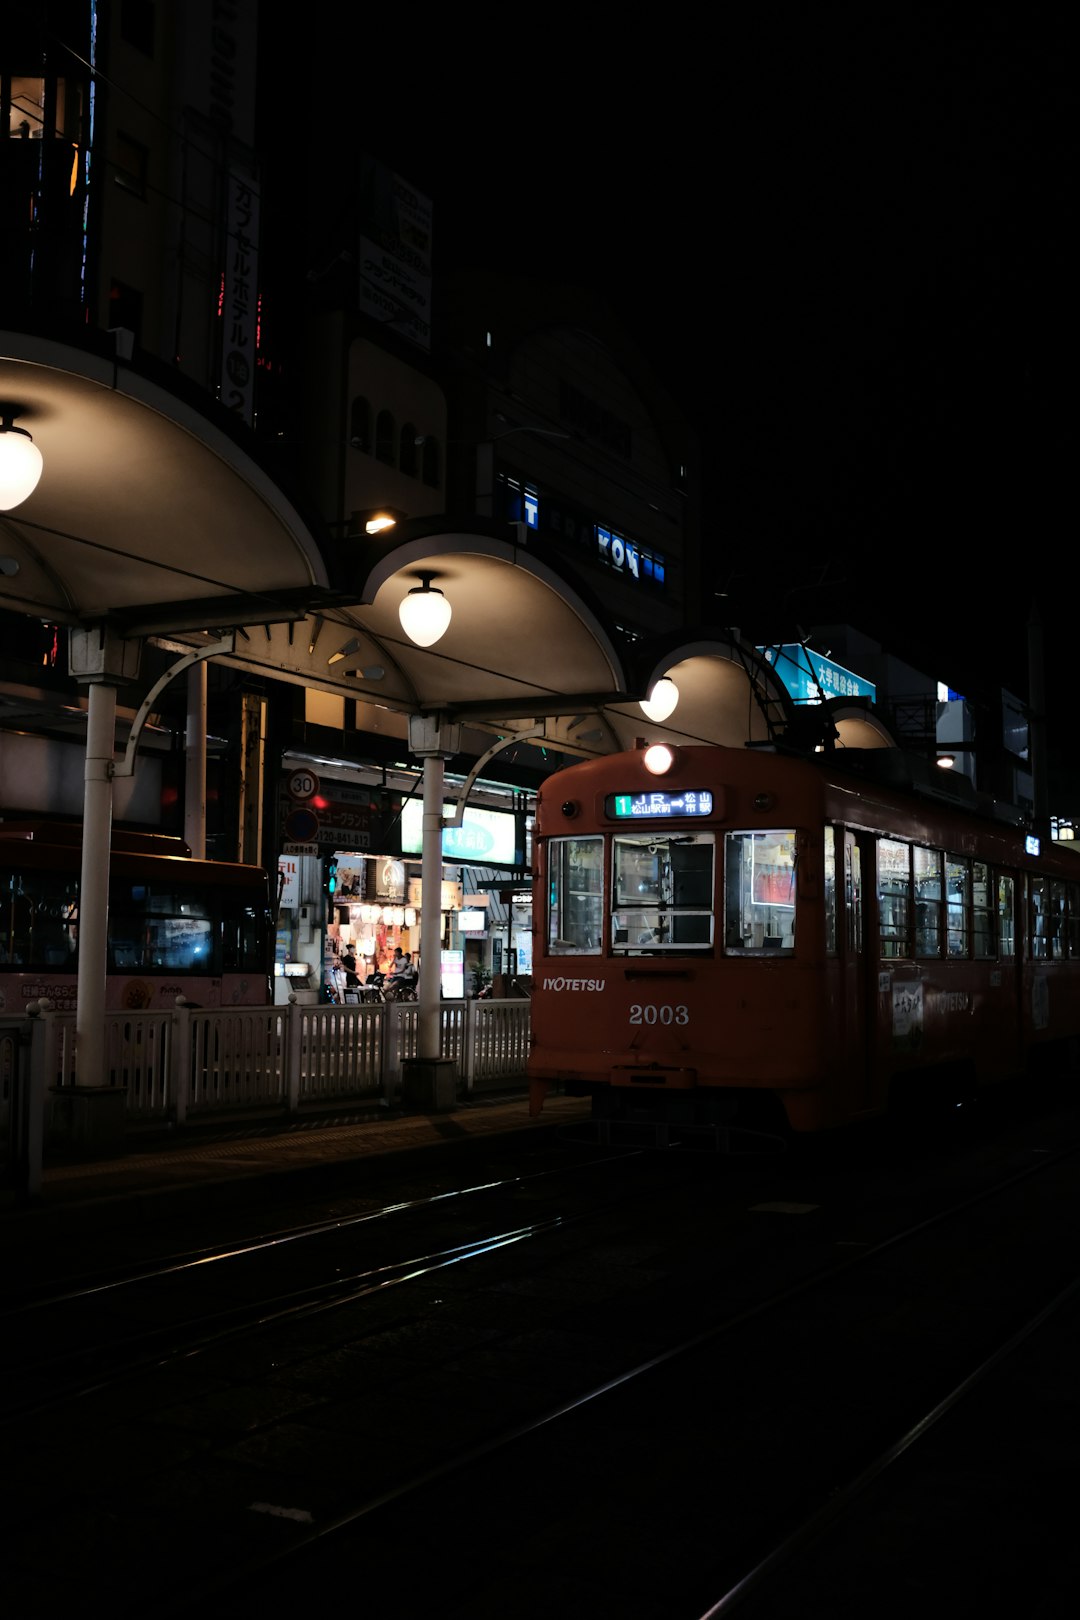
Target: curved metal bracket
(466,787)
(227,644)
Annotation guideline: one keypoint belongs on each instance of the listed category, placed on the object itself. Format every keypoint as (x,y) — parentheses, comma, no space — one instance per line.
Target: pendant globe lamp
(661,701)
(20,463)
(424,613)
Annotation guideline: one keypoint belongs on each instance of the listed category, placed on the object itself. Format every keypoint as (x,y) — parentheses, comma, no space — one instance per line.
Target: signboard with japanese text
(488,837)
(240,297)
(289,879)
(811,678)
(337,816)
(395,253)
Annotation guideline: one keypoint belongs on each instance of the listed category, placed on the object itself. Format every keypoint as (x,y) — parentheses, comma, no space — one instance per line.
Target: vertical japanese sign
(395,252)
(240,297)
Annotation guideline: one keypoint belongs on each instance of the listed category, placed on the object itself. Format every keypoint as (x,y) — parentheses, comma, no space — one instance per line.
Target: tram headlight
(658,759)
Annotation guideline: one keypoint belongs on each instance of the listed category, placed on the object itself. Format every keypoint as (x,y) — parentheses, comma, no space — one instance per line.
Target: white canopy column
(95,1104)
(428,1079)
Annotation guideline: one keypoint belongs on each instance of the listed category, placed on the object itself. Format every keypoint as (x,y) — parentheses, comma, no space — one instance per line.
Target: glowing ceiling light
(424,613)
(661,701)
(20,464)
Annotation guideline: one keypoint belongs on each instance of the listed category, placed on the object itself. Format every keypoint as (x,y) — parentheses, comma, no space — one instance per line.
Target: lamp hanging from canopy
(424,613)
(662,700)
(20,463)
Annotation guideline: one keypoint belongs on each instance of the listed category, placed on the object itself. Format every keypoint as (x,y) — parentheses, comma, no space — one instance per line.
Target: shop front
(373,915)
(486,850)
(330,827)
(350,887)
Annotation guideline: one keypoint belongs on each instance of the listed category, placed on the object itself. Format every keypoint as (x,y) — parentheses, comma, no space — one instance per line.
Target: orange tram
(737,938)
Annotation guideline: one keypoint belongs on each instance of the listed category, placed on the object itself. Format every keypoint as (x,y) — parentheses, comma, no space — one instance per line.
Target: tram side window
(982,915)
(1040,922)
(575,896)
(894,897)
(927,901)
(759,891)
(1057,917)
(1005,915)
(1046,918)
(830,891)
(1073,890)
(958,897)
(853,896)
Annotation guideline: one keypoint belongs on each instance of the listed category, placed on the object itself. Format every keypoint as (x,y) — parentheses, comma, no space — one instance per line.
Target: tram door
(860,988)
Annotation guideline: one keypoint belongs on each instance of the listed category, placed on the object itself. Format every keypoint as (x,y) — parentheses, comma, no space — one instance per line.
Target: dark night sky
(843,235)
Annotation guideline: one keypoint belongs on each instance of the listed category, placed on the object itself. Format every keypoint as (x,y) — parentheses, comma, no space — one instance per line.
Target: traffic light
(331,876)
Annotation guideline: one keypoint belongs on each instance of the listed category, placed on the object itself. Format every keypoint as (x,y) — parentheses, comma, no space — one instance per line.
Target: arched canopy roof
(157,519)
(148,513)
(526,647)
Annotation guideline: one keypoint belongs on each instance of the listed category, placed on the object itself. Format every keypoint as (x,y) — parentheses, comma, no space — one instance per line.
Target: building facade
(154,205)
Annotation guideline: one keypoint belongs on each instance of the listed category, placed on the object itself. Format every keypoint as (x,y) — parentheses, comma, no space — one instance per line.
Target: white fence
(191,1064)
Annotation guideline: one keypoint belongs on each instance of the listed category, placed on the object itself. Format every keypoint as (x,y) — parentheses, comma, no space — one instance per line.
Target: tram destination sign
(656,805)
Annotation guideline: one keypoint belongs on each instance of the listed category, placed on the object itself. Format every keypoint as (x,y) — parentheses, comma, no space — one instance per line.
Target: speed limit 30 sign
(303,785)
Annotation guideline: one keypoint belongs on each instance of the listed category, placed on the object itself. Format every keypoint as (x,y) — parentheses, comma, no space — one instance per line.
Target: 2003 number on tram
(647,1012)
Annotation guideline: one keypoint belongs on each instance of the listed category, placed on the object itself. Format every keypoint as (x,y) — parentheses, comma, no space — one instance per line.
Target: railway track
(675,1489)
(631,1399)
(69,1338)
(826,1553)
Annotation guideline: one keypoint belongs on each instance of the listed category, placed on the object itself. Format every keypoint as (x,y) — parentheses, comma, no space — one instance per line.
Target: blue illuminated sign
(640,806)
(811,678)
(1032,845)
(626,557)
(576,526)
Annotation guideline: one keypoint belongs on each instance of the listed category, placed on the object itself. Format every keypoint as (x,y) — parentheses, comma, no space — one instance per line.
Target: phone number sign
(335,816)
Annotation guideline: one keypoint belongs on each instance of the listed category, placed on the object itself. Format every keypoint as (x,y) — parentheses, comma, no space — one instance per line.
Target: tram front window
(661,892)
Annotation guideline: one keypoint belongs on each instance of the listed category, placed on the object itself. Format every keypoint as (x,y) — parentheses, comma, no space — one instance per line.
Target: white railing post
(180,1062)
(390,1050)
(50,1061)
(294,1030)
(468,1054)
(31,1092)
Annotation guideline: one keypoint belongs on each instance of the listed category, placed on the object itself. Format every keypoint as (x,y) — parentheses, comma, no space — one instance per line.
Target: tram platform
(160,1173)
